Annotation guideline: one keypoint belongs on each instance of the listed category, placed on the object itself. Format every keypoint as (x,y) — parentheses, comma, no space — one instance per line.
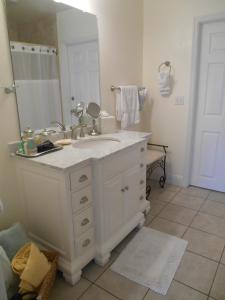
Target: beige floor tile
(177,291)
(188,201)
(92,271)
(168,227)
(197,272)
(96,293)
(172,188)
(195,192)
(214,208)
(218,288)
(204,244)
(217,196)
(210,224)
(156,206)
(121,287)
(63,290)
(166,195)
(178,214)
(223,258)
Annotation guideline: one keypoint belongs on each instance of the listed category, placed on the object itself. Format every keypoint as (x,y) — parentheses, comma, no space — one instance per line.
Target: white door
(208,169)
(132,191)
(83,64)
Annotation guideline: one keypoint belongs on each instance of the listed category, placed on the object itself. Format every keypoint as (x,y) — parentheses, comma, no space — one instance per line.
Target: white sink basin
(93,143)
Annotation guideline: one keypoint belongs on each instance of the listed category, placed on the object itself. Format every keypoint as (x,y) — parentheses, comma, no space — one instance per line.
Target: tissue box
(108,124)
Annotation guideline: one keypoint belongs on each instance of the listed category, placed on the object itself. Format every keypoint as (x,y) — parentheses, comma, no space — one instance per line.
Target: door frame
(193,95)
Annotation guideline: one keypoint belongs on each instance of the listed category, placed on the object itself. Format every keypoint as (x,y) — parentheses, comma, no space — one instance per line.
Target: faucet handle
(60,125)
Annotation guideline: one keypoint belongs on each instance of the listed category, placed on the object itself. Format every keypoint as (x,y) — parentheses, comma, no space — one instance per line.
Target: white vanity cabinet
(119,199)
(84,203)
(59,213)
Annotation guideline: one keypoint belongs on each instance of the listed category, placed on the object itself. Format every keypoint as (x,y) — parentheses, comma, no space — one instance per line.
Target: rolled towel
(164,83)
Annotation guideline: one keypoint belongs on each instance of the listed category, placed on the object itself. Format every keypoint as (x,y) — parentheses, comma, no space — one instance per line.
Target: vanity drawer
(121,162)
(83,221)
(81,199)
(80,178)
(85,242)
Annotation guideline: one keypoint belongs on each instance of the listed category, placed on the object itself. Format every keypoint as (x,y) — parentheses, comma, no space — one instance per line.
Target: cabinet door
(113,197)
(131,181)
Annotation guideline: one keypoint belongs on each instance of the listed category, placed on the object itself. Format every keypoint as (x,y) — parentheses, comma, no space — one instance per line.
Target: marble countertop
(71,156)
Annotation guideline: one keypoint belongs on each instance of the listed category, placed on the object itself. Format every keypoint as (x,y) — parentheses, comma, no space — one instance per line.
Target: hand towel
(127,106)
(164,83)
(142,93)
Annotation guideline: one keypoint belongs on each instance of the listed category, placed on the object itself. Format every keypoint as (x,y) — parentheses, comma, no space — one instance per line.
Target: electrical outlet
(1,207)
(179,100)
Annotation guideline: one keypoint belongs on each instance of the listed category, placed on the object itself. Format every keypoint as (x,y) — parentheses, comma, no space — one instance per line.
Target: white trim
(198,23)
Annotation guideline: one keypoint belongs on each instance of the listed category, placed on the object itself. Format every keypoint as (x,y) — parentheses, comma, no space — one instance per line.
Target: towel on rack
(127,106)
(164,83)
(142,93)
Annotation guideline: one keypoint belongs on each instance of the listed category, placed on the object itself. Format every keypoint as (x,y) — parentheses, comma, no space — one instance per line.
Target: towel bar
(114,88)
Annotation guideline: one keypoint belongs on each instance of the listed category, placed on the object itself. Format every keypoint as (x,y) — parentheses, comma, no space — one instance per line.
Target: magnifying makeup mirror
(93,110)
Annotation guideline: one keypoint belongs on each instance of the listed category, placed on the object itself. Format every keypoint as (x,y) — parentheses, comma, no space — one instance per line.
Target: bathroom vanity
(83,200)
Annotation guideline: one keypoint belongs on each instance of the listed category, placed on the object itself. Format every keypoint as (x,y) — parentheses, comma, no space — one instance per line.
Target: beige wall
(120,29)
(8,132)
(168,30)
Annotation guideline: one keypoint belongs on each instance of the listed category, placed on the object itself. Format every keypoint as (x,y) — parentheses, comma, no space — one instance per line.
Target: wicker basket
(49,280)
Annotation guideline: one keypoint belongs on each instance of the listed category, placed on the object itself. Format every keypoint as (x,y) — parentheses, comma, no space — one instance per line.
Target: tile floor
(194,214)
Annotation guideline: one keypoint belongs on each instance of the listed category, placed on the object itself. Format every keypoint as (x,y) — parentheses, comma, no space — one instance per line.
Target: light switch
(179,100)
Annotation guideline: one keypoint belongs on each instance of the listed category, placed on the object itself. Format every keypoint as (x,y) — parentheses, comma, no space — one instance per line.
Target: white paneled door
(83,61)
(208,169)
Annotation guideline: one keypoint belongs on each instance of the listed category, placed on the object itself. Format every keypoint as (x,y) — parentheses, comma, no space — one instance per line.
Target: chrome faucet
(61,126)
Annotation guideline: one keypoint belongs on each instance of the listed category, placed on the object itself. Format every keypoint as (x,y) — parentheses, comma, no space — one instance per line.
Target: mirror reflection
(55,57)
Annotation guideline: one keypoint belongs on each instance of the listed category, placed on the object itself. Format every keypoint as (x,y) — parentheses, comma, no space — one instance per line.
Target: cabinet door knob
(83,178)
(127,188)
(142,182)
(142,165)
(85,222)
(86,243)
(83,200)
(142,149)
(122,190)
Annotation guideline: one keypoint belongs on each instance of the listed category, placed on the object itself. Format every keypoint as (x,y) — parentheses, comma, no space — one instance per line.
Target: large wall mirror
(55,58)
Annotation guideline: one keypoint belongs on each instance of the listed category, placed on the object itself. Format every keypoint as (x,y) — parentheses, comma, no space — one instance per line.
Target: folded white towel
(164,83)
(142,93)
(127,106)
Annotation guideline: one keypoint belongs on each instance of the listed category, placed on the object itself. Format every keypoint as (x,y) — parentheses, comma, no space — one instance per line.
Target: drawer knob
(83,200)
(122,190)
(85,222)
(142,149)
(142,182)
(83,178)
(142,198)
(86,243)
(142,165)
(126,188)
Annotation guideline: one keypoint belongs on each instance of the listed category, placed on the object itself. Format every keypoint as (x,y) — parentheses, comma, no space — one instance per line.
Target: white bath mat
(151,259)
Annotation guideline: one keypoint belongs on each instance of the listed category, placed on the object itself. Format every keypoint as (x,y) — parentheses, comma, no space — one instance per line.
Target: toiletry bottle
(30,146)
